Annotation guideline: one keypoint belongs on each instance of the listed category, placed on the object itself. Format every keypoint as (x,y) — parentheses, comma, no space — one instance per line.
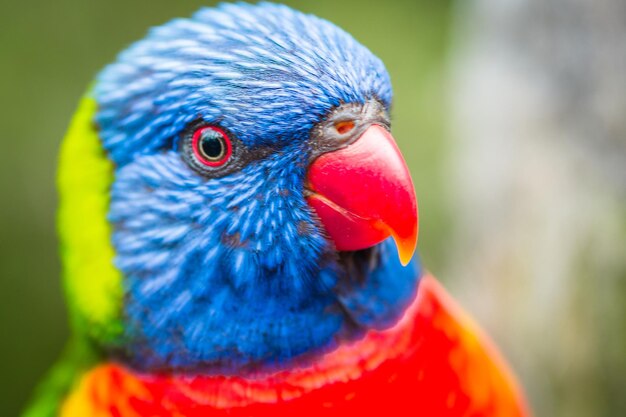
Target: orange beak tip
(406,249)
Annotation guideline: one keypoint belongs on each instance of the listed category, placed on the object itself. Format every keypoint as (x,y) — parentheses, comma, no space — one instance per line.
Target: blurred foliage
(538,151)
(50,53)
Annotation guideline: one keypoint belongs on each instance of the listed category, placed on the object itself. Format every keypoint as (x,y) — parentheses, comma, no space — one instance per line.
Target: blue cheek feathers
(222,275)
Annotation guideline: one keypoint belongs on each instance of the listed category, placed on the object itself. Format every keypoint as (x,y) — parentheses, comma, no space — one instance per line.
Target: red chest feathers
(434,362)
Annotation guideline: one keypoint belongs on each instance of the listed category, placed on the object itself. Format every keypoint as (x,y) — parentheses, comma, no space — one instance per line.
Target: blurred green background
(510,116)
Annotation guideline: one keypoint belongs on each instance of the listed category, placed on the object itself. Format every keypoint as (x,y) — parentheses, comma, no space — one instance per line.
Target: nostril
(344,127)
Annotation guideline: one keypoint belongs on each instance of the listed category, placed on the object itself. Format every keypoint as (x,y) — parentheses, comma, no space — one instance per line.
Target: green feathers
(92,283)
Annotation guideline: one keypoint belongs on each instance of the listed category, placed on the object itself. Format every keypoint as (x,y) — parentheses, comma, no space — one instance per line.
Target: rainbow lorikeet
(238,232)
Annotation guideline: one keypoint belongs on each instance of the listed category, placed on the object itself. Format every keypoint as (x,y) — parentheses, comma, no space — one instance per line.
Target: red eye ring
(211,146)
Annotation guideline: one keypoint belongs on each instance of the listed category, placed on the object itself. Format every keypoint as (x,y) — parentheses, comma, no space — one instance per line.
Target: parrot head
(232,197)
(238,232)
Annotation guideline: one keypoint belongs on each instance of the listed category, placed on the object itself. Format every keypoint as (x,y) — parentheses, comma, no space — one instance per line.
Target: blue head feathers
(235,270)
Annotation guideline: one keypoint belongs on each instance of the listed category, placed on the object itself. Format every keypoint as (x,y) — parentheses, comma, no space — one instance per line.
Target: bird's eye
(211,146)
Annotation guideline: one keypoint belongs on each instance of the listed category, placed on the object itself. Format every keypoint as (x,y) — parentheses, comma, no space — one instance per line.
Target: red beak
(363,194)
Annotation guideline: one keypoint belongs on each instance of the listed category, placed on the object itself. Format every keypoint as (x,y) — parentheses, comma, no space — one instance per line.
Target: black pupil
(212,144)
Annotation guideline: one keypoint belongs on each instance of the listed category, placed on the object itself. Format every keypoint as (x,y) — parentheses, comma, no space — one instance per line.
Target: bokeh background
(511,115)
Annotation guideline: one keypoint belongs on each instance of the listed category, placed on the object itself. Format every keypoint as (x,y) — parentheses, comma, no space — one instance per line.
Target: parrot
(238,233)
